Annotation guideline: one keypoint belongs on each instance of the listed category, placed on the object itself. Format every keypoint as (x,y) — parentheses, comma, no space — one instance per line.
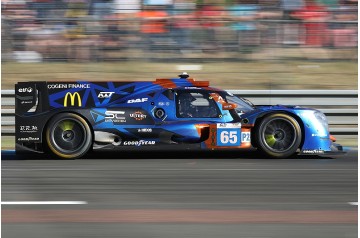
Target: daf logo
(137,100)
(72,97)
(25,90)
(105,94)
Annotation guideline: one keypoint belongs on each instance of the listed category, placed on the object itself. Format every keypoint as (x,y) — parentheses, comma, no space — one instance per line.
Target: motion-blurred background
(236,44)
(245,45)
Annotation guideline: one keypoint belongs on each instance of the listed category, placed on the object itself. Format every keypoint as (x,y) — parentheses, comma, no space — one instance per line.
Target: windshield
(243,105)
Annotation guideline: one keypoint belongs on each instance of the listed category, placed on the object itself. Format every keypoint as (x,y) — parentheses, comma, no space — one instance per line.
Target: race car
(69,119)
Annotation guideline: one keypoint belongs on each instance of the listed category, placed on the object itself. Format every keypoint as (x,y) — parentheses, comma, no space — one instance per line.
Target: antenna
(184,75)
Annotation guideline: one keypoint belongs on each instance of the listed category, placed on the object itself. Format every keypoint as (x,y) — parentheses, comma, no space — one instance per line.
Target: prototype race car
(69,119)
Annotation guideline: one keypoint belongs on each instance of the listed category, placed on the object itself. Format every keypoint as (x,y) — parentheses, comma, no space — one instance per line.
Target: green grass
(7,142)
(229,75)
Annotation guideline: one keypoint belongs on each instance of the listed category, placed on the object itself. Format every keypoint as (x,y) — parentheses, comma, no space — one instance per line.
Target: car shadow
(127,155)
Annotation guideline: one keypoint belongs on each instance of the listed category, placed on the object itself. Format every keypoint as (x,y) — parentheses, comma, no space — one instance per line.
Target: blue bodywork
(150,114)
(316,135)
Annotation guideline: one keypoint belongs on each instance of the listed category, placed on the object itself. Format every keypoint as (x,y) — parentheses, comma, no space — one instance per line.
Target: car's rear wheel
(68,136)
(278,135)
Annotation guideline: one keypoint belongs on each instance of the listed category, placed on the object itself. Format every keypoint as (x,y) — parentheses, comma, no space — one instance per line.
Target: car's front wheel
(68,136)
(278,135)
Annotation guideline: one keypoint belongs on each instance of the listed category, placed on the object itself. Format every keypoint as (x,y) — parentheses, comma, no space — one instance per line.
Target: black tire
(68,136)
(278,135)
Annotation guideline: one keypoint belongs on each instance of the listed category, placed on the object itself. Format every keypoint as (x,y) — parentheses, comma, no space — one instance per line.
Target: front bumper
(334,149)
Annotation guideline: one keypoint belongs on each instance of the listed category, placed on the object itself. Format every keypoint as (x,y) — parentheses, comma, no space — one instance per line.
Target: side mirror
(229,106)
(225,105)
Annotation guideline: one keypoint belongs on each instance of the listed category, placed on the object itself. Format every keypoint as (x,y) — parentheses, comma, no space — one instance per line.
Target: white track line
(353,203)
(45,203)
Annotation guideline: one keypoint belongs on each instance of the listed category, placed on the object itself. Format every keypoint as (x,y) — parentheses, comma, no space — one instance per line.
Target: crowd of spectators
(84,30)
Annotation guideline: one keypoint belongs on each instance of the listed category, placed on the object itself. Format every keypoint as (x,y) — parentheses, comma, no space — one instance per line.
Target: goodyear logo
(70,97)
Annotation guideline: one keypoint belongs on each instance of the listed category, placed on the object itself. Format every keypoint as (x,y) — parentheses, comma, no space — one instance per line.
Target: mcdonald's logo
(72,97)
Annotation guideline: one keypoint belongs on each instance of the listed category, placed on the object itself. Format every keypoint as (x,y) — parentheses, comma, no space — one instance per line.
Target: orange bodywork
(211,142)
(165,83)
(169,83)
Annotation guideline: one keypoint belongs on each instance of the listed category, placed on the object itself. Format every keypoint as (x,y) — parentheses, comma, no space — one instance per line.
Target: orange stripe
(165,83)
(198,83)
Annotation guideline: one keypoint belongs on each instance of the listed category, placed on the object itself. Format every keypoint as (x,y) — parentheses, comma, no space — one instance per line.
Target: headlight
(322,119)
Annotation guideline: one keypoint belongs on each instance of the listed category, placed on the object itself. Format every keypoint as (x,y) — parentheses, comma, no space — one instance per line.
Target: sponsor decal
(164,104)
(227,106)
(229,134)
(313,151)
(24,98)
(28,129)
(138,115)
(229,125)
(29,139)
(55,86)
(72,97)
(245,137)
(28,100)
(115,116)
(25,90)
(105,94)
(137,100)
(69,86)
(139,143)
(81,86)
(319,135)
(145,130)
(228,137)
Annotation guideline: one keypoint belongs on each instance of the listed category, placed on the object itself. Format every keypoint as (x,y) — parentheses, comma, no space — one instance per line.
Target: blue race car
(69,119)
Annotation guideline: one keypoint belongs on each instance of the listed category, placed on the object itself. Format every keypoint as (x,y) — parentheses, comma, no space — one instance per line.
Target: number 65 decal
(228,137)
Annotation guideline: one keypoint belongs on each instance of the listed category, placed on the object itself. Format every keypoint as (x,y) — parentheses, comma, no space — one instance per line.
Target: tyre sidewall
(88,136)
(260,136)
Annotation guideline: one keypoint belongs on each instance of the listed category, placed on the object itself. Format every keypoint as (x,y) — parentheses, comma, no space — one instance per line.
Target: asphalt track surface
(182,194)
